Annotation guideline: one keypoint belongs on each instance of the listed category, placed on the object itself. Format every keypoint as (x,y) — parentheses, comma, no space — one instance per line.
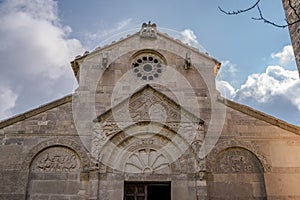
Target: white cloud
(227,72)
(275,91)
(285,56)
(229,67)
(226,89)
(293,94)
(274,82)
(189,37)
(107,35)
(37,9)
(35,52)
(29,30)
(7,101)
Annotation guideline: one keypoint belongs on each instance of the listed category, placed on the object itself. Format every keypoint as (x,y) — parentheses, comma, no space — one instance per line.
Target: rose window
(147,67)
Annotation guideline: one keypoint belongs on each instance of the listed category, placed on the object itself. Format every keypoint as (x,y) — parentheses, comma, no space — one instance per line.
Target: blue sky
(38,39)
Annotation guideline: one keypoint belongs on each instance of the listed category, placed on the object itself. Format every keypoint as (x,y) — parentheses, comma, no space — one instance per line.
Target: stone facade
(146,122)
(292,16)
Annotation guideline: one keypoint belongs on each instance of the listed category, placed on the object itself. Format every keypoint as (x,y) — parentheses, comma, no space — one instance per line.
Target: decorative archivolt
(147,122)
(139,149)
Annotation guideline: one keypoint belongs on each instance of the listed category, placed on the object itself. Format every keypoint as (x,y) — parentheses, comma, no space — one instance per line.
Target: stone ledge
(36,111)
(260,115)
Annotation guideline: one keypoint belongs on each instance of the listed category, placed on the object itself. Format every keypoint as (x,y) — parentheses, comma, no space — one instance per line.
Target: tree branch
(239,11)
(262,18)
(294,9)
(265,20)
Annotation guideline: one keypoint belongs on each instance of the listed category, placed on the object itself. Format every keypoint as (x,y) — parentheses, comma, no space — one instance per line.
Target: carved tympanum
(56,159)
(237,160)
(146,161)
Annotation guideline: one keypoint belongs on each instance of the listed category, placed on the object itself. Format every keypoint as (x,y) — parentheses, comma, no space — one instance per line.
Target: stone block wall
(294,29)
(43,156)
(254,158)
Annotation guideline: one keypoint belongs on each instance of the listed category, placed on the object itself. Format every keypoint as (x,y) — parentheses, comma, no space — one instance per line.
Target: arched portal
(146,161)
(54,173)
(149,152)
(237,174)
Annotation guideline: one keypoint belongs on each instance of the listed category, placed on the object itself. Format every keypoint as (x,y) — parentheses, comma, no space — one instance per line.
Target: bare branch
(294,9)
(239,11)
(262,18)
(265,20)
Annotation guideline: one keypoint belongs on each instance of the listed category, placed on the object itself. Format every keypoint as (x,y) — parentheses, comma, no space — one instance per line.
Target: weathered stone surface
(294,29)
(44,152)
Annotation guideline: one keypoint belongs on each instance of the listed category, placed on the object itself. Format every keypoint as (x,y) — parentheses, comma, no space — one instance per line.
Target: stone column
(93,185)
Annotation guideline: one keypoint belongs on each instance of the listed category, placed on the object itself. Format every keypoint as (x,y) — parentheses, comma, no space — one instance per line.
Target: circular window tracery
(147,67)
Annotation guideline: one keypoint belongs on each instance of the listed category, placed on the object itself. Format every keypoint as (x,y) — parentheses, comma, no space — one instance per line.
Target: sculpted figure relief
(53,162)
(148,30)
(237,160)
(56,159)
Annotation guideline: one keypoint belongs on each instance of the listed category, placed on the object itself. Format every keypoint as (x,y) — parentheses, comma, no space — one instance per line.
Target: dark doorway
(159,192)
(147,191)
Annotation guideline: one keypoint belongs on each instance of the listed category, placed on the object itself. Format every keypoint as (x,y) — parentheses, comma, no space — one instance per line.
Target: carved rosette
(146,161)
(56,159)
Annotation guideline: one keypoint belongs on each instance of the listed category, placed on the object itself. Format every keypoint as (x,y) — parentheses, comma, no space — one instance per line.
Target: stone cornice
(260,115)
(36,111)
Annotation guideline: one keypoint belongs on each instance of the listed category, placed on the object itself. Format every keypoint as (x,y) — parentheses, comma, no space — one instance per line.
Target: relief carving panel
(148,30)
(147,120)
(151,106)
(146,161)
(237,160)
(56,159)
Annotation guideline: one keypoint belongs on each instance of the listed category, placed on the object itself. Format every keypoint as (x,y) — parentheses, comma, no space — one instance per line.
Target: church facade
(145,123)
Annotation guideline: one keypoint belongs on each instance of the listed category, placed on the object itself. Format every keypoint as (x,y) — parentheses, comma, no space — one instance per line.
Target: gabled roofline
(147,86)
(260,115)
(75,62)
(35,111)
(194,49)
